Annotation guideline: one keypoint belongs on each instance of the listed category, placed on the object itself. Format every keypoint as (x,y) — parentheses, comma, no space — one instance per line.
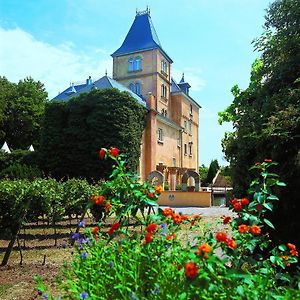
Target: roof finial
(182,79)
(105,72)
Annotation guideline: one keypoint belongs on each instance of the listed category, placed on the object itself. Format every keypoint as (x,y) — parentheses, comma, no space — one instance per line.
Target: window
(138,64)
(185,126)
(185,149)
(179,142)
(164,67)
(131,87)
(135,64)
(160,135)
(174,162)
(131,64)
(163,91)
(164,112)
(191,109)
(190,127)
(190,148)
(138,88)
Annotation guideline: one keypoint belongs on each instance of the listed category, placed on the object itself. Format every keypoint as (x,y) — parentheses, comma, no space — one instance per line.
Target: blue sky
(63,41)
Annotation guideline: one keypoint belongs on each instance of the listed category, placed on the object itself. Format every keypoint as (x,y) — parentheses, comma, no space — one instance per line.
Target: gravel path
(205,211)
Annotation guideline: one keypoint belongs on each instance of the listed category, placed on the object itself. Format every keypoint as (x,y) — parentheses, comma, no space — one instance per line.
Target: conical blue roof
(141,36)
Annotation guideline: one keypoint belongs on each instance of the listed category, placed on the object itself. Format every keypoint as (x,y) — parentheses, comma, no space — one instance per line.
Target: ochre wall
(178,198)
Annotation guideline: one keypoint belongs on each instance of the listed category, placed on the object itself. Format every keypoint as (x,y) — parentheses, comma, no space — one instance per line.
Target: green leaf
(266,221)
(279,183)
(268,206)
(272,197)
(282,247)
(240,290)
(182,296)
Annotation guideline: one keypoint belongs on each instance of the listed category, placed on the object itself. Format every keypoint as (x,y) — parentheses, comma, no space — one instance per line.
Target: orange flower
(96,230)
(158,189)
(203,250)
(243,228)
(226,219)
(221,236)
(254,229)
(113,228)
(170,236)
(195,218)
(107,206)
(291,246)
(99,200)
(152,227)
(231,243)
(183,217)
(294,252)
(244,201)
(102,153)
(177,218)
(148,237)
(268,160)
(168,212)
(285,259)
(114,151)
(190,270)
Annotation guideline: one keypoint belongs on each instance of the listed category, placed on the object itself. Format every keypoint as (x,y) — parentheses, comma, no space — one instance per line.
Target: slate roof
(141,36)
(104,82)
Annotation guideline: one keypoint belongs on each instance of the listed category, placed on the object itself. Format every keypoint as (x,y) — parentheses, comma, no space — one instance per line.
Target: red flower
(148,237)
(150,195)
(95,232)
(170,237)
(99,200)
(107,206)
(190,270)
(234,201)
(226,220)
(291,246)
(114,151)
(102,153)
(254,229)
(152,227)
(158,189)
(231,243)
(168,212)
(92,198)
(113,228)
(237,206)
(268,160)
(294,252)
(244,201)
(243,228)
(221,236)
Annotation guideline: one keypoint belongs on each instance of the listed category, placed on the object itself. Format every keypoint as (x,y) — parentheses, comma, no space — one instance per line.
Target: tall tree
(21,112)
(212,171)
(266,116)
(74,132)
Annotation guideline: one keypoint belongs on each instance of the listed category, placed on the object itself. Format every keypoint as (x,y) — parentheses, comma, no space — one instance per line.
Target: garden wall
(179,198)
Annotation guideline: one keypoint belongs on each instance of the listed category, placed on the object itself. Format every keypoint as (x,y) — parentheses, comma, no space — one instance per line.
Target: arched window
(138,63)
(131,87)
(138,88)
(131,64)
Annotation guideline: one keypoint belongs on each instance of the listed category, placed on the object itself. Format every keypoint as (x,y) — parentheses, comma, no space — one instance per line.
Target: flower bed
(151,262)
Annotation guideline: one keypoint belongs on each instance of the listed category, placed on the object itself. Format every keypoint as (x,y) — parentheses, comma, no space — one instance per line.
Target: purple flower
(163,226)
(84,295)
(81,224)
(44,296)
(75,235)
(111,264)
(84,255)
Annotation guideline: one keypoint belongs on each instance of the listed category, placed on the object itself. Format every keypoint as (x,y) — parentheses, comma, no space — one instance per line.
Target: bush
(21,171)
(154,263)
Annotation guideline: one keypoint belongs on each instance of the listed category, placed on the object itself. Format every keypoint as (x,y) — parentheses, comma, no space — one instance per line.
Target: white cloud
(192,76)
(21,55)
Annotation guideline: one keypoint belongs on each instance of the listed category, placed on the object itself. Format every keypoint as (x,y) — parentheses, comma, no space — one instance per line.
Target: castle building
(143,68)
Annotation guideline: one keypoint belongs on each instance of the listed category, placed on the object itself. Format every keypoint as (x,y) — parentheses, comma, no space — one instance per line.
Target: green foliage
(101,117)
(203,174)
(20,171)
(266,116)
(22,108)
(153,262)
(212,171)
